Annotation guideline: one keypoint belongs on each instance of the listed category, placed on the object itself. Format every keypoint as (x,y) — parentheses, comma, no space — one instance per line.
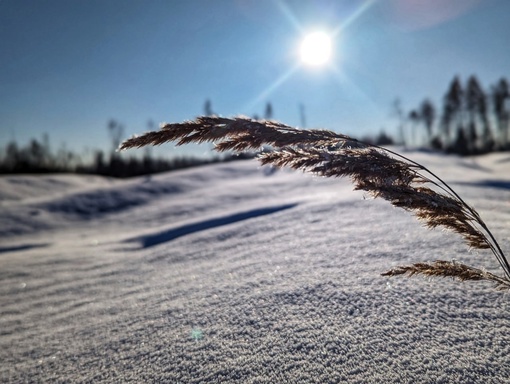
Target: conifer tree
(428,116)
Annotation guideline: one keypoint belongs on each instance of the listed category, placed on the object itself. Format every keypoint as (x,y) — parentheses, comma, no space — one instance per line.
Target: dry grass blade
(453,269)
(238,134)
(372,170)
(378,171)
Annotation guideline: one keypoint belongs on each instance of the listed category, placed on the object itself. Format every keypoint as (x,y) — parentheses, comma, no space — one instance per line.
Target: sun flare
(316,49)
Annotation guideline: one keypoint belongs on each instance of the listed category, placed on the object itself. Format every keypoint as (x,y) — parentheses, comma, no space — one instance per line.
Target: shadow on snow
(174,233)
(22,247)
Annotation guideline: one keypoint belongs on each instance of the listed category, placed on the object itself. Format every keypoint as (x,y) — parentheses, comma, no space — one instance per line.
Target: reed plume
(380,172)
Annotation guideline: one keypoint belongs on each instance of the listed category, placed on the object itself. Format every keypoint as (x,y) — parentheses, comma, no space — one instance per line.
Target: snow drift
(236,273)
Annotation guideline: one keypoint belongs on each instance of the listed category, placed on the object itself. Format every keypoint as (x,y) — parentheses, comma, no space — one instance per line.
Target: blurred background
(77,77)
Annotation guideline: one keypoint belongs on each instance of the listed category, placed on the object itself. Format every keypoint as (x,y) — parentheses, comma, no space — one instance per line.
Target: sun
(316,49)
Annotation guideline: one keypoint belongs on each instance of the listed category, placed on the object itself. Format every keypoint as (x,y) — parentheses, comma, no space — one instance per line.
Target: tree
(99,164)
(428,116)
(116,131)
(473,94)
(13,157)
(460,145)
(147,161)
(471,138)
(414,117)
(208,108)
(500,96)
(476,106)
(268,114)
(383,139)
(36,154)
(399,113)
(302,115)
(488,141)
(116,166)
(452,110)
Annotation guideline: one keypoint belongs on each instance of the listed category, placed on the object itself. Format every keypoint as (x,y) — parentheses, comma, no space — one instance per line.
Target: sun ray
(276,84)
(342,79)
(367,4)
(346,83)
(289,15)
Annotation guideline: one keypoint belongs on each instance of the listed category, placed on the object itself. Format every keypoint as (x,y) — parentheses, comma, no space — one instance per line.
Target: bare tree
(414,118)
(302,115)
(116,131)
(208,108)
(399,113)
(268,113)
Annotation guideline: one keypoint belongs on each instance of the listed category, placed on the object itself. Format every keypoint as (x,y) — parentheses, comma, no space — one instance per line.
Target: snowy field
(233,273)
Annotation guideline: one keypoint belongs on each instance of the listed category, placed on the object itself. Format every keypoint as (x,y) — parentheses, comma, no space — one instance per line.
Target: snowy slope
(236,273)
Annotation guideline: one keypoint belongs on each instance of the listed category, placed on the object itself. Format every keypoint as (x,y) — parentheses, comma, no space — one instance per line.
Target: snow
(234,273)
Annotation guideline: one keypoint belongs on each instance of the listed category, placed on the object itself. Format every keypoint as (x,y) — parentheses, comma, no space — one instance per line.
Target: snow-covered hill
(237,273)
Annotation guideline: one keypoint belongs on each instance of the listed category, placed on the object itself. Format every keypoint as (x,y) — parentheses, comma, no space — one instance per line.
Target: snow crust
(233,273)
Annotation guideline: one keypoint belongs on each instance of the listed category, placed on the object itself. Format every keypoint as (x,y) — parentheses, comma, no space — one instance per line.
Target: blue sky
(68,66)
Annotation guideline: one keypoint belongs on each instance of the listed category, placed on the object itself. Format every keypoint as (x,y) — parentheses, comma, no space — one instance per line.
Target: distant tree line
(37,157)
(469,121)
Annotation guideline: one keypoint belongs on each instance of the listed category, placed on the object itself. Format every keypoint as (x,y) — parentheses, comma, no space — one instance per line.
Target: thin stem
(491,242)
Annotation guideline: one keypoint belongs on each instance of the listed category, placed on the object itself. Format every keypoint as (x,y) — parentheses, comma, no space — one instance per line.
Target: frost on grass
(380,172)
